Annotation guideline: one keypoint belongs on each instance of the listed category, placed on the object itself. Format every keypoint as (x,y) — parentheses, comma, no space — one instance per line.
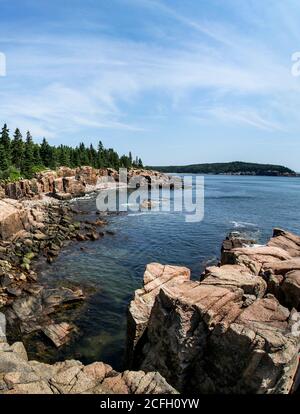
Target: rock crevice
(231,332)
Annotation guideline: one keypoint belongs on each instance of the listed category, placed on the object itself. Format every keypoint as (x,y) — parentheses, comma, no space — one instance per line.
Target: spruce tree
(5,141)
(4,162)
(37,156)
(17,150)
(45,153)
(26,158)
(29,161)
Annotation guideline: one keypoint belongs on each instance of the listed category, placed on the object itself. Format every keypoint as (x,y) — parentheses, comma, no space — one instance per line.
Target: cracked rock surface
(20,376)
(235,331)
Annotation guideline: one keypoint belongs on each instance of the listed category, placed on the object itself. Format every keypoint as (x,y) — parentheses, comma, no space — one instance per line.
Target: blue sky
(175,81)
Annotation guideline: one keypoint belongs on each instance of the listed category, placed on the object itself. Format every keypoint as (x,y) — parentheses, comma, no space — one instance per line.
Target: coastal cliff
(37,222)
(236,330)
(66,183)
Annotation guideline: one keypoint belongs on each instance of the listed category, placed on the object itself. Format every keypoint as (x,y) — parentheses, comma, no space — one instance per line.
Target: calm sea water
(112,268)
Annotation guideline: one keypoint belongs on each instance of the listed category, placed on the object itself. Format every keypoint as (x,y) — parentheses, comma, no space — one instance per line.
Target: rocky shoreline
(36,222)
(236,330)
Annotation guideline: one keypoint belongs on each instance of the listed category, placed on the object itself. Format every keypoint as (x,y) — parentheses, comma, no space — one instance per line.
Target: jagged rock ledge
(20,376)
(34,223)
(36,220)
(66,183)
(237,330)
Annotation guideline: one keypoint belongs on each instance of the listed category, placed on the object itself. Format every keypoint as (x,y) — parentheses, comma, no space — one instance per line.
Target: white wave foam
(242,224)
(146,213)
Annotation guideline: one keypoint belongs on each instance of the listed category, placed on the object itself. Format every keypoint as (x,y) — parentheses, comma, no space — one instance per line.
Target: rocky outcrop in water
(231,332)
(278,263)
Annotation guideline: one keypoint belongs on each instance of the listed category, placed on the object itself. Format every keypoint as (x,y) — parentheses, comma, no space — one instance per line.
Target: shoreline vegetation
(230,168)
(21,159)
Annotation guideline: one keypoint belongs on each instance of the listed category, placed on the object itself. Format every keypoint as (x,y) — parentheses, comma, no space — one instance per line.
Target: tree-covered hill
(23,157)
(236,167)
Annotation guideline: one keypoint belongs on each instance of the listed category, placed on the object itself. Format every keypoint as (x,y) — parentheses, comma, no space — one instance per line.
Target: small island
(231,168)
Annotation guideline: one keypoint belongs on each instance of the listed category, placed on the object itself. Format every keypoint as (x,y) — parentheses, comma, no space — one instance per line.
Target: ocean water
(112,268)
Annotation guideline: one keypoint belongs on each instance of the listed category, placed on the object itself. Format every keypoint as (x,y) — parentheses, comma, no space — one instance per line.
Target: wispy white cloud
(68,82)
(240,116)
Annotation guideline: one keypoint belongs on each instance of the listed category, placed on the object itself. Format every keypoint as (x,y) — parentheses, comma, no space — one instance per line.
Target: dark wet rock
(93,236)
(31,312)
(63,196)
(290,288)
(58,333)
(5,280)
(53,298)
(235,240)
(14,291)
(81,237)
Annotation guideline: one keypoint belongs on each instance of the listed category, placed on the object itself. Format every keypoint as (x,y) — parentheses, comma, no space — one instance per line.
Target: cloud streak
(65,83)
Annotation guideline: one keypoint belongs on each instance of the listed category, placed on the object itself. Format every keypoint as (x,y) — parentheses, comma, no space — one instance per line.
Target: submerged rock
(58,333)
(31,312)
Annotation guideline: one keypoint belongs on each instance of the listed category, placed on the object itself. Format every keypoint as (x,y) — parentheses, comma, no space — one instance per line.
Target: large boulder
(13,218)
(88,175)
(233,277)
(73,186)
(156,276)
(286,241)
(208,337)
(278,263)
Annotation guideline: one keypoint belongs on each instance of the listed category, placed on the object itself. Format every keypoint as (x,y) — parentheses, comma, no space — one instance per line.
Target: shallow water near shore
(112,268)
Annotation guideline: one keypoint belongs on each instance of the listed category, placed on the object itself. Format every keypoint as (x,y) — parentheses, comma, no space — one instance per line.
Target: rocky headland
(235,330)
(36,222)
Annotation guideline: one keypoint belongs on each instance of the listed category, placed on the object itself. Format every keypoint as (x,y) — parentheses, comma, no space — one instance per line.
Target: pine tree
(100,160)
(37,156)
(17,150)
(26,158)
(5,141)
(29,161)
(4,162)
(46,153)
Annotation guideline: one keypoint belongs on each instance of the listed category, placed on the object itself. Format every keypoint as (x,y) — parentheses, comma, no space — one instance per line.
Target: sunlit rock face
(226,333)
(20,376)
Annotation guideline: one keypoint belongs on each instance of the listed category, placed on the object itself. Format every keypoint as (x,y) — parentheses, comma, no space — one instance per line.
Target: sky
(174,81)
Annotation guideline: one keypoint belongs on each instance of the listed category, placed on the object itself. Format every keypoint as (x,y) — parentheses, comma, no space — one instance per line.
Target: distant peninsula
(230,168)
